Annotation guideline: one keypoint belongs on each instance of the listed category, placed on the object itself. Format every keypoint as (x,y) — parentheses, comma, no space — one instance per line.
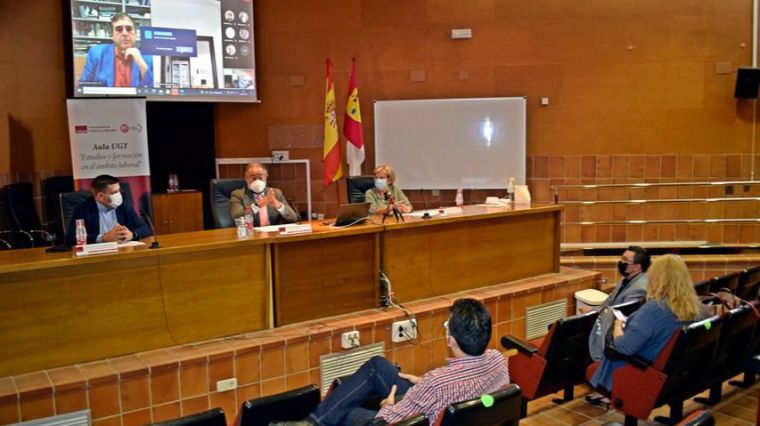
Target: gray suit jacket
(243,197)
(636,289)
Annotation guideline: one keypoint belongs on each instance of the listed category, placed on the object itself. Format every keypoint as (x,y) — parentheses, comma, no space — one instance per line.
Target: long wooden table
(481,246)
(328,272)
(58,309)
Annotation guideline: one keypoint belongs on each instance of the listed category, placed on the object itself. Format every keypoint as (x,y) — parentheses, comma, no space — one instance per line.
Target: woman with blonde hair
(385,178)
(671,303)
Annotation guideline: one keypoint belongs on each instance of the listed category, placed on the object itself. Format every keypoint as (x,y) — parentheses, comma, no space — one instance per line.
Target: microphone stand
(424,200)
(154,244)
(392,209)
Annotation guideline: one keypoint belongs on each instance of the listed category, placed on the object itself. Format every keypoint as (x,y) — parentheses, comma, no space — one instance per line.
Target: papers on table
(98,248)
(444,211)
(131,244)
(103,248)
(288,229)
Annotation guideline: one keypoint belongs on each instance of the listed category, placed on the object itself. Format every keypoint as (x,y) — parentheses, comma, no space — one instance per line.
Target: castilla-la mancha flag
(352,127)
(331,151)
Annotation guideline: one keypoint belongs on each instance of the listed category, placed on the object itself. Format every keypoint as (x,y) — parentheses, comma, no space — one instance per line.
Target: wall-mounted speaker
(747,83)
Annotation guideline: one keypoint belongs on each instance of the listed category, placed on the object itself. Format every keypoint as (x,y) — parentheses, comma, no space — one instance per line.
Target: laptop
(351,213)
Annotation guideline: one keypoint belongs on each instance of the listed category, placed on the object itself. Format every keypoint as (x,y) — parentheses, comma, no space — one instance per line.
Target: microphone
(391,208)
(388,205)
(424,200)
(154,244)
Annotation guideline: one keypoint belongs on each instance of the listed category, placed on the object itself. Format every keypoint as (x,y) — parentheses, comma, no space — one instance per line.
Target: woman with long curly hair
(671,303)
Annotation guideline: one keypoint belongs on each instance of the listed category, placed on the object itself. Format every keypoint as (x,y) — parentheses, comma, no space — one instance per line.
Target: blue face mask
(381,184)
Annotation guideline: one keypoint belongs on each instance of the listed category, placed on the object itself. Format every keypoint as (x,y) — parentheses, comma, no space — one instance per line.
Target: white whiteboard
(475,143)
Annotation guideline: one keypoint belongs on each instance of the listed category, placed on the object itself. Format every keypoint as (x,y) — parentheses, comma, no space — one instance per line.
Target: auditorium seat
(221,191)
(295,404)
(213,417)
(734,345)
(749,282)
(729,281)
(7,239)
(68,201)
(506,410)
(22,215)
(357,186)
(702,288)
(556,362)
(54,186)
(676,373)
(16,239)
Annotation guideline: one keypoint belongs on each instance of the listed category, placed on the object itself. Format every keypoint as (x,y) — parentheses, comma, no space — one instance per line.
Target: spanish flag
(331,151)
(352,127)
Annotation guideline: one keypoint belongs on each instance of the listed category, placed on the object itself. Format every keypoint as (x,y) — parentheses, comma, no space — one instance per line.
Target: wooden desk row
(58,309)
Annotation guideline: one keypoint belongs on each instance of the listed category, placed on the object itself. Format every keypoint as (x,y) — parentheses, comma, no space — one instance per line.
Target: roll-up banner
(110,136)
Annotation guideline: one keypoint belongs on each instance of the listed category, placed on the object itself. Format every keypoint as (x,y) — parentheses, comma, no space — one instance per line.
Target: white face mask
(381,184)
(257,186)
(116,200)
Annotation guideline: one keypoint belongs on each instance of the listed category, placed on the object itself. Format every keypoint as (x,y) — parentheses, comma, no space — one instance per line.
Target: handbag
(601,334)
(724,300)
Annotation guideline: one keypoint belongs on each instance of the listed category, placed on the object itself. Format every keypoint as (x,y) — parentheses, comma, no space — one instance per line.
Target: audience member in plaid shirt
(471,372)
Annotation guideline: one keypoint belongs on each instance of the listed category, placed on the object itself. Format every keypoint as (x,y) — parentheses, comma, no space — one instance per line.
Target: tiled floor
(738,407)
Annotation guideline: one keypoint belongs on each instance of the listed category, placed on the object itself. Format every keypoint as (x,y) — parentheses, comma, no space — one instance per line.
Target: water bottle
(242,230)
(81,234)
(460,198)
(249,219)
(173,183)
(511,189)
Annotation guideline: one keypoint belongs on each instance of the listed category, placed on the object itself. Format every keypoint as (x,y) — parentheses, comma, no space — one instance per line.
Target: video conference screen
(167,50)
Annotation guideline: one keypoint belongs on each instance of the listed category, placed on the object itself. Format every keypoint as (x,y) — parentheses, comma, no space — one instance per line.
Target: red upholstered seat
(556,362)
(678,372)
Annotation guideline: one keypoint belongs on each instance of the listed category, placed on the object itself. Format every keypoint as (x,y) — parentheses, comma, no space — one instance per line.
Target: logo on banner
(108,136)
(125,128)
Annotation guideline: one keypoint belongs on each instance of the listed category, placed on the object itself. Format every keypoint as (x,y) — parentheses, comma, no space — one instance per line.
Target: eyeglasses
(123,28)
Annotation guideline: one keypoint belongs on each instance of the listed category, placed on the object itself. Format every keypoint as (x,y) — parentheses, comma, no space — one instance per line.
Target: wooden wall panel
(622,77)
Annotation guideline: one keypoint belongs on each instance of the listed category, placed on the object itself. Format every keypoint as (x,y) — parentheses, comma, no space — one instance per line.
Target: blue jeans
(374,378)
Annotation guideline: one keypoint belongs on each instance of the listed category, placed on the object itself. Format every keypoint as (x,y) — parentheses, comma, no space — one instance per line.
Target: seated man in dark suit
(105,216)
(268,205)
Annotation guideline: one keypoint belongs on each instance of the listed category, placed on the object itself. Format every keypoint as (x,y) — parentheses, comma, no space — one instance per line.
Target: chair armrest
(45,234)
(612,354)
(512,342)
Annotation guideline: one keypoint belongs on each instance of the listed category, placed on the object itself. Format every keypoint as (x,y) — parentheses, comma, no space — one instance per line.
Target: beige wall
(624,77)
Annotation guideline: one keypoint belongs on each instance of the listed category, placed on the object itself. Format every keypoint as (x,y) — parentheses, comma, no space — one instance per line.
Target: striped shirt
(462,379)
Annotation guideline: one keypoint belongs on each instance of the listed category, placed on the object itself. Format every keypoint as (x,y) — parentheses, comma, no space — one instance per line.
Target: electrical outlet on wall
(226,385)
(349,339)
(280,155)
(402,331)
